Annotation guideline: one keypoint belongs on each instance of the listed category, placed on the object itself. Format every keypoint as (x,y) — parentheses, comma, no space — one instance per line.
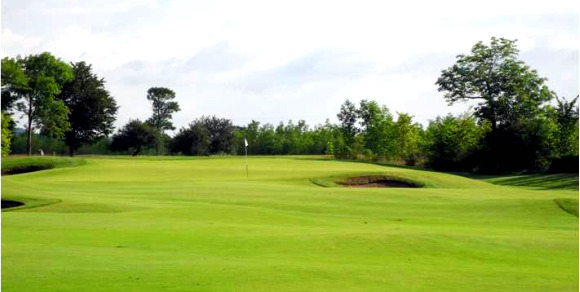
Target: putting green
(198,224)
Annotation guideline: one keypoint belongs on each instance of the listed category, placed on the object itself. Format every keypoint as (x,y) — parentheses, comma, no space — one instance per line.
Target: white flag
(246,142)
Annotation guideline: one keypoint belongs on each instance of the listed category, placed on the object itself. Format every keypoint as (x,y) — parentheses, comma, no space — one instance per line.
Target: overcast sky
(295,60)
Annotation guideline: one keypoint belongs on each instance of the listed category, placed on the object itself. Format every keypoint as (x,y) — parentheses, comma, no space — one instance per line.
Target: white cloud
(274,61)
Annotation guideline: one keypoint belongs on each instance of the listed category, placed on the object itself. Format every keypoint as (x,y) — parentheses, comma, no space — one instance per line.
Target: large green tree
(505,86)
(161,99)
(511,97)
(31,84)
(92,109)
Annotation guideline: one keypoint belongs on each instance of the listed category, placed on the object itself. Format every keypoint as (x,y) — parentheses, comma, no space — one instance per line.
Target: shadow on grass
(564,181)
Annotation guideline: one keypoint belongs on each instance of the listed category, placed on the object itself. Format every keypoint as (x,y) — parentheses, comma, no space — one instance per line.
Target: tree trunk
(71,150)
(29,129)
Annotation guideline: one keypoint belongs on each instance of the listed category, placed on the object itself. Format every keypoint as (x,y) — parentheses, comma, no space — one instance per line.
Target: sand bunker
(377,182)
(10,204)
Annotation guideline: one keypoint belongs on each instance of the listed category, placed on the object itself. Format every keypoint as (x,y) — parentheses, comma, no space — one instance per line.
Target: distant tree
(251,134)
(267,139)
(451,143)
(31,84)
(378,129)
(133,137)
(92,109)
(204,136)
(163,109)
(329,148)
(280,139)
(567,119)
(221,134)
(407,137)
(348,117)
(6,134)
(191,140)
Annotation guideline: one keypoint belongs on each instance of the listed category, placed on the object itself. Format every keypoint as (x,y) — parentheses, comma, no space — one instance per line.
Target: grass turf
(198,224)
(555,181)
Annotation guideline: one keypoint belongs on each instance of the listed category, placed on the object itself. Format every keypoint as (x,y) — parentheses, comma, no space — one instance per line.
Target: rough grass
(198,224)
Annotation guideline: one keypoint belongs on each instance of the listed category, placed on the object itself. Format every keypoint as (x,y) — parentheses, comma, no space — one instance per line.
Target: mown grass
(198,224)
(568,181)
(568,205)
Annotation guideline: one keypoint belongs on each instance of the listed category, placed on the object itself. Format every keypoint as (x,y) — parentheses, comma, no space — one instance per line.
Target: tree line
(518,123)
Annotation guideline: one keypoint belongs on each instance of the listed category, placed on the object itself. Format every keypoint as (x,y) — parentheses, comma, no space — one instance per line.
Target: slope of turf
(17,165)
(555,181)
(198,224)
(568,205)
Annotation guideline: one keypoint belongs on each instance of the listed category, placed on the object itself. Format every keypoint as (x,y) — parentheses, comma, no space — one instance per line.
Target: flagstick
(247,162)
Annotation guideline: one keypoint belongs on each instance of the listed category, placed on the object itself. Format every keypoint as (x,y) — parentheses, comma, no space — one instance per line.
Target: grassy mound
(568,205)
(558,181)
(22,164)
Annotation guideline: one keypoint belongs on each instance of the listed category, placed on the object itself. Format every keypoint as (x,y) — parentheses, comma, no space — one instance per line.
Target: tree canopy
(31,84)
(506,87)
(133,137)
(92,109)
(163,109)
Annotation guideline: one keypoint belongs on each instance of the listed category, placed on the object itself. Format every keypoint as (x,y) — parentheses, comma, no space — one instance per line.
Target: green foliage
(49,145)
(348,117)
(163,109)
(6,134)
(92,109)
(204,136)
(525,132)
(133,137)
(329,148)
(101,146)
(378,131)
(407,135)
(451,142)
(31,84)
(14,81)
(566,115)
(193,140)
(284,139)
(507,88)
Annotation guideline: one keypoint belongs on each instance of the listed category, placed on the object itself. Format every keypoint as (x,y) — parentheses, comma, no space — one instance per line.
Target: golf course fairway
(199,224)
